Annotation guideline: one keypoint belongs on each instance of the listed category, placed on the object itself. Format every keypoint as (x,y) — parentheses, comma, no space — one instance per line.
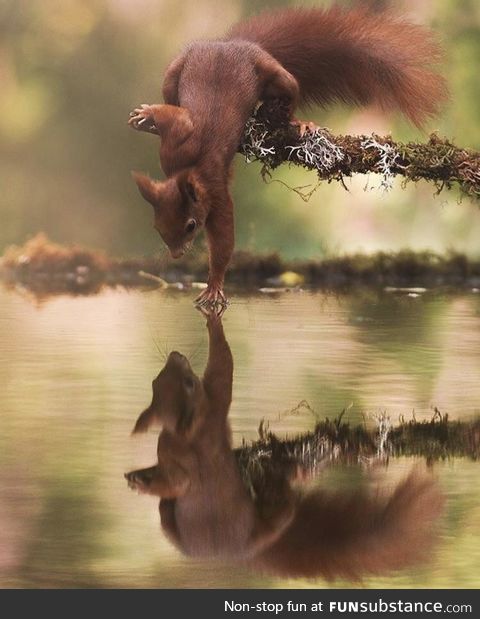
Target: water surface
(77,372)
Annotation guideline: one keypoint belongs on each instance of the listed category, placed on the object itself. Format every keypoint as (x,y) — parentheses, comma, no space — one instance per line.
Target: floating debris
(417,291)
(288,279)
(154,278)
(274,290)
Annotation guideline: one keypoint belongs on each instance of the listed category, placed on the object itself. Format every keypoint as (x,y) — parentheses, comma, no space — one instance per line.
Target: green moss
(45,268)
(270,139)
(336,441)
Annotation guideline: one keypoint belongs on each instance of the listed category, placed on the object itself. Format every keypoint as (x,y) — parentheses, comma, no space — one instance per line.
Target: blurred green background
(71,70)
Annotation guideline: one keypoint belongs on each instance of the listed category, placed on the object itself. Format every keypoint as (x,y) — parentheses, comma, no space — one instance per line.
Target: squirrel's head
(177,391)
(178,208)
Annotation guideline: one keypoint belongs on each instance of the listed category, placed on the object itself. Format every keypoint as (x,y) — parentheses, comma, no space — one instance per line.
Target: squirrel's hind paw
(303,126)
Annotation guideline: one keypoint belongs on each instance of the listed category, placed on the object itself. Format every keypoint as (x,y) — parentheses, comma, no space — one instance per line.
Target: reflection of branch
(337,441)
(270,139)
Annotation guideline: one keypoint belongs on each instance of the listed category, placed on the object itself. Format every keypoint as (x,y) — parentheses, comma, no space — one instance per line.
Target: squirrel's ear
(144,421)
(193,187)
(149,188)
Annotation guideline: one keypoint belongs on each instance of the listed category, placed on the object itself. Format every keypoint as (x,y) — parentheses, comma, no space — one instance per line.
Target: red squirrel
(274,517)
(300,56)
(205,507)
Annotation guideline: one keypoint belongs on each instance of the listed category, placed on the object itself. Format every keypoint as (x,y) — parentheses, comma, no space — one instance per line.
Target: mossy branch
(269,138)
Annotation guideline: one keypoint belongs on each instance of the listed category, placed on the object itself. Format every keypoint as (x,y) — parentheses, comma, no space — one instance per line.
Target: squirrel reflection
(278,524)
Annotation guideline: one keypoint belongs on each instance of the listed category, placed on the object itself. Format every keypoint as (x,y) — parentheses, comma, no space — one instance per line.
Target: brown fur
(298,55)
(350,535)
(205,509)
(355,57)
(281,528)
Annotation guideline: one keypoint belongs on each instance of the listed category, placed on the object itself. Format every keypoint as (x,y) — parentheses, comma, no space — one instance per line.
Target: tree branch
(269,138)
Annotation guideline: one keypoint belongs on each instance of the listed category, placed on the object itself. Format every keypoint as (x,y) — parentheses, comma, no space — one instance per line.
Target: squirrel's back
(353,56)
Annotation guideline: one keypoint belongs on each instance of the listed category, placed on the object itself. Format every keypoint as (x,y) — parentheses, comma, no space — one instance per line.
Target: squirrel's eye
(188,382)
(191,192)
(191,225)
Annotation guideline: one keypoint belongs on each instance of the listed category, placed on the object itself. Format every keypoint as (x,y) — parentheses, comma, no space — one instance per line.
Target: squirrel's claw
(214,298)
(141,119)
(211,313)
(303,126)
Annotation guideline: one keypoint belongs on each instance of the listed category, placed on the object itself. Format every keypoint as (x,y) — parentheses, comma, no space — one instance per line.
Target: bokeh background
(77,371)
(71,70)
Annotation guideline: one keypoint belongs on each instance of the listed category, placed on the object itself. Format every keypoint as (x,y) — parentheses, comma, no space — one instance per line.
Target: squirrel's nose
(177,253)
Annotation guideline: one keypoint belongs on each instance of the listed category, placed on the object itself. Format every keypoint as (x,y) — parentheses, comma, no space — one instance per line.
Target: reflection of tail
(339,535)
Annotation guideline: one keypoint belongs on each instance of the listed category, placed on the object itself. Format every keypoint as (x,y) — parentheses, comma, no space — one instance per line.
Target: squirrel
(300,56)
(268,517)
(205,507)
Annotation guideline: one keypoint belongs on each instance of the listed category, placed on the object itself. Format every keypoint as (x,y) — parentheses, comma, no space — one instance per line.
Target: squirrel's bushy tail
(357,57)
(350,536)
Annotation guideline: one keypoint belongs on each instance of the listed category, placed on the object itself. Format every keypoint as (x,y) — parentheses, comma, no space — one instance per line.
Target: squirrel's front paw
(212,298)
(141,119)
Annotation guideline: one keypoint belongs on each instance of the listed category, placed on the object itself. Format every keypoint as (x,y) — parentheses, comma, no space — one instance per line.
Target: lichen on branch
(337,442)
(270,139)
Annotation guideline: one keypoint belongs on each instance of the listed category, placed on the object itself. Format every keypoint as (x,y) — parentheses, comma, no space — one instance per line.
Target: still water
(77,372)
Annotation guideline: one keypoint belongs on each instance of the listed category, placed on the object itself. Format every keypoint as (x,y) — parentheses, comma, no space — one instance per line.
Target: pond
(77,372)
